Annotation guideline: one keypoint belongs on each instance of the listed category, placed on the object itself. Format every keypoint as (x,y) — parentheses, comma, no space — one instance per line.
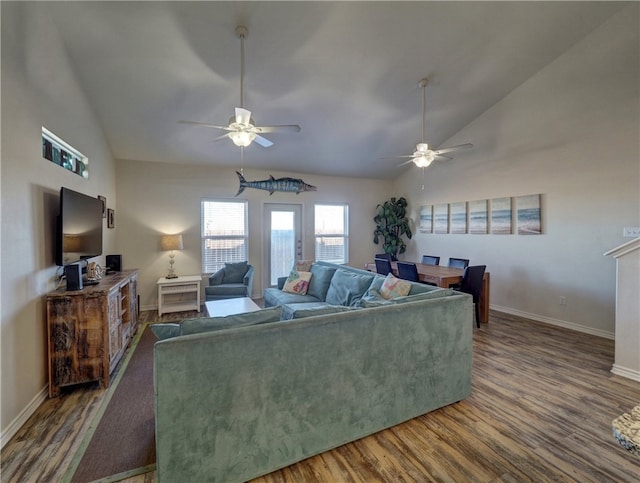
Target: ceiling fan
(423,156)
(242,129)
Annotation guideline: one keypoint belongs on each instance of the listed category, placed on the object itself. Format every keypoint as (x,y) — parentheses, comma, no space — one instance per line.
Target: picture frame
(458,217)
(104,205)
(110,218)
(426,219)
(478,221)
(528,215)
(501,216)
(441,218)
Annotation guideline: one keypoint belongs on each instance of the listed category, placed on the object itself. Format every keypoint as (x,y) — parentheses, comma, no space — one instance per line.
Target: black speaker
(114,263)
(73,274)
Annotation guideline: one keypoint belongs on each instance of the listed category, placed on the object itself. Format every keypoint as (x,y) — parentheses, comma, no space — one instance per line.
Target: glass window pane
(224,233)
(282,244)
(331,232)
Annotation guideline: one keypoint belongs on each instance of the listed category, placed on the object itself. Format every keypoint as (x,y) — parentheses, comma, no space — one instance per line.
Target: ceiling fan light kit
(423,156)
(242,129)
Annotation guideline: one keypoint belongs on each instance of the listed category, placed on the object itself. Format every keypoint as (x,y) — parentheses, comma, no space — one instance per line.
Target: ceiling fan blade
(280,128)
(243,116)
(219,138)
(406,162)
(264,142)
(400,157)
(453,148)
(440,156)
(226,128)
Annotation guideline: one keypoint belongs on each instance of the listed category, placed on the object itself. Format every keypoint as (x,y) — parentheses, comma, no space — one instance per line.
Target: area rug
(120,442)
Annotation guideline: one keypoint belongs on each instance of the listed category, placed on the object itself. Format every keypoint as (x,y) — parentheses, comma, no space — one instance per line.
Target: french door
(282,240)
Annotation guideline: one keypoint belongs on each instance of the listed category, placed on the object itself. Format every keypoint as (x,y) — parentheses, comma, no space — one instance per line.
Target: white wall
(159,198)
(571,132)
(38,89)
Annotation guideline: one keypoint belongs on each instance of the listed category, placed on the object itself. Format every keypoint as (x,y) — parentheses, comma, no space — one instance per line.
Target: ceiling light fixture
(242,138)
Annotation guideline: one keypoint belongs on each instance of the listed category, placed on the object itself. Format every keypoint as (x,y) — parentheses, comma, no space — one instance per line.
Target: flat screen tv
(79,233)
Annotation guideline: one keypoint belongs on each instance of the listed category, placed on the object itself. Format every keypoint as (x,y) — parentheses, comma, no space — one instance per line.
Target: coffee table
(221,308)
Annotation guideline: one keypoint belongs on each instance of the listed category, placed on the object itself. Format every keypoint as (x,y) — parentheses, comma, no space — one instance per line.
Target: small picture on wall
(110,218)
(458,217)
(441,218)
(104,205)
(426,219)
(528,209)
(478,217)
(501,216)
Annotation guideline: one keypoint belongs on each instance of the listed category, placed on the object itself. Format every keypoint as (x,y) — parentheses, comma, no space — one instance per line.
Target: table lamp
(171,243)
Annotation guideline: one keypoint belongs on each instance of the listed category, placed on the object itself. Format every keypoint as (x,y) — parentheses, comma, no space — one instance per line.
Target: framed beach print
(426,219)
(501,216)
(458,214)
(111,222)
(441,218)
(528,215)
(478,217)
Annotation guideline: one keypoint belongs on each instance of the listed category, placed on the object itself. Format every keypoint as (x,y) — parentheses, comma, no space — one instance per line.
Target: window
(225,233)
(332,232)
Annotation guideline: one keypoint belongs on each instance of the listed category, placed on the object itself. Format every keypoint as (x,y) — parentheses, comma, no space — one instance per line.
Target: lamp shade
(171,242)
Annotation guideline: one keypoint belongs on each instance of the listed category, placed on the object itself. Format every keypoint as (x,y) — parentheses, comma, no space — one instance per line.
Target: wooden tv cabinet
(90,329)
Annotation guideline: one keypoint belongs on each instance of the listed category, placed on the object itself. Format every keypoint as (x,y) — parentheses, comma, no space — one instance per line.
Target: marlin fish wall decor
(293,185)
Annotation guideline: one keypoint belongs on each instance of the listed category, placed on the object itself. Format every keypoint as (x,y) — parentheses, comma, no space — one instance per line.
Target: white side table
(179,294)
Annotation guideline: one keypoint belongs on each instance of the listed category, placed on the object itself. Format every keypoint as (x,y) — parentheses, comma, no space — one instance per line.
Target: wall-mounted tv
(79,233)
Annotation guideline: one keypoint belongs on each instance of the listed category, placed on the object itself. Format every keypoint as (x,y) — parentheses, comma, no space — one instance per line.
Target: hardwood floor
(541,410)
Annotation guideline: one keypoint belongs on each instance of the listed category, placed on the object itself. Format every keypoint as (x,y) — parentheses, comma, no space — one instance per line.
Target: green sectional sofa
(240,401)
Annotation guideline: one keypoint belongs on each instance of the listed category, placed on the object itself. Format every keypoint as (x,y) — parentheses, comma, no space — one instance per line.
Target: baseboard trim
(625,372)
(25,414)
(556,322)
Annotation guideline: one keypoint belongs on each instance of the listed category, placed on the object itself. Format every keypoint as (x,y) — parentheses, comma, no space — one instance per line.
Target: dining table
(444,277)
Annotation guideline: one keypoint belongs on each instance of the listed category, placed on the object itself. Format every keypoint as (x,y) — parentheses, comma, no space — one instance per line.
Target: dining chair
(430,260)
(408,271)
(458,262)
(472,284)
(383,266)
(384,255)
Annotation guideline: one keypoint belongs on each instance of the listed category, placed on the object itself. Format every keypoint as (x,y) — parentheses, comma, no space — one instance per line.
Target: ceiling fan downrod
(242,32)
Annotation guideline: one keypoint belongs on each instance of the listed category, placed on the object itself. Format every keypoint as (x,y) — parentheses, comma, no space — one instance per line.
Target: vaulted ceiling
(346,72)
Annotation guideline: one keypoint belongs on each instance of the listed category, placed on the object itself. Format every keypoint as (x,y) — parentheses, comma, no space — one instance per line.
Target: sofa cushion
(297,282)
(394,287)
(298,311)
(373,300)
(230,289)
(274,297)
(320,280)
(347,287)
(210,324)
(234,272)
(165,331)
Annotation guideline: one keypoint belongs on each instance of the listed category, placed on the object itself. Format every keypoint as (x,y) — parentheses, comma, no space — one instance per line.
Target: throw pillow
(235,272)
(347,287)
(320,280)
(298,283)
(394,287)
(303,266)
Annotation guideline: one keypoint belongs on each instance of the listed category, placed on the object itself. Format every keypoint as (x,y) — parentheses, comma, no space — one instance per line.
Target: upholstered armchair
(233,281)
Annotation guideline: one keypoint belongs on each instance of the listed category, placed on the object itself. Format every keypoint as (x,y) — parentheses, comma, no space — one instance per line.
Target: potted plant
(391,224)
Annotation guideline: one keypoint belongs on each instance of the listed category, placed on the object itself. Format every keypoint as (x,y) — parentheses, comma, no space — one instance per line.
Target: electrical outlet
(563,300)
(631,231)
